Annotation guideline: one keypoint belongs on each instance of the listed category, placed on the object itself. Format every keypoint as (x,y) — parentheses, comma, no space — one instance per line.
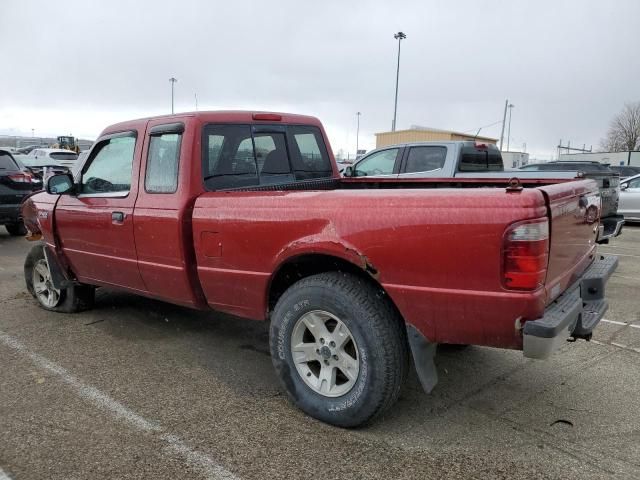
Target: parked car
(15,185)
(630,198)
(65,158)
(460,159)
(28,149)
(625,171)
(246,213)
(37,166)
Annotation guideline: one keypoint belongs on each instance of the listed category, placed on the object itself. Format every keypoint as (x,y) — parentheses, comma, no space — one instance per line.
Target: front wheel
(339,348)
(37,275)
(16,229)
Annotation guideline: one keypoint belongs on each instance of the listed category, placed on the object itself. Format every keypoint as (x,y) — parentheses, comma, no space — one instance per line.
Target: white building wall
(612,158)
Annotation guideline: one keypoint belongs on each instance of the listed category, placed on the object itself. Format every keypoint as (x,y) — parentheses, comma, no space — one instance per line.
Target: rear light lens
(525,255)
(21,178)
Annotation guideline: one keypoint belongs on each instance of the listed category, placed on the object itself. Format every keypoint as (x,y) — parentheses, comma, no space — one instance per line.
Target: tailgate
(609,186)
(574,209)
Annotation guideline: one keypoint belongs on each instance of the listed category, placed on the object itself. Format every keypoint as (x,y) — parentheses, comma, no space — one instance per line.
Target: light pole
(358,133)
(504,121)
(398,36)
(173,80)
(511,105)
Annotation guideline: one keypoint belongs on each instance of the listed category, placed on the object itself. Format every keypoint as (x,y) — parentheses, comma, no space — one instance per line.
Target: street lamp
(398,36)
(511,105)
(358,133)
(173,81)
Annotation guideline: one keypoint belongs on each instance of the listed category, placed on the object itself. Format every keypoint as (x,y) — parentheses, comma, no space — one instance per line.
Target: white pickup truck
(478,160)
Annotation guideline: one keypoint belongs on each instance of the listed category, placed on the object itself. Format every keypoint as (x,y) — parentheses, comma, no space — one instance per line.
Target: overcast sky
(567,66)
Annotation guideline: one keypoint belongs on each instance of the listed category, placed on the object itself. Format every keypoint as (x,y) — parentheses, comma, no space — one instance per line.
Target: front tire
(339,348)
(16,229)
(37,275)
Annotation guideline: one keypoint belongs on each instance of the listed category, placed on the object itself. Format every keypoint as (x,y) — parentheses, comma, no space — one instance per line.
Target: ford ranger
(246,213)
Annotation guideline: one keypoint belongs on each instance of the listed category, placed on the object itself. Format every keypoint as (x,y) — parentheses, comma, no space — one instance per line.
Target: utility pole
(358,133)
(511,105)
(504,121)
(173,80)
(398,36)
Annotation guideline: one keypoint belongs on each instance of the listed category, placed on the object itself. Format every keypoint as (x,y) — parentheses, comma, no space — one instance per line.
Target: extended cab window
(425,159)
(109,171)
(378,163)
(480,158)
(162,163)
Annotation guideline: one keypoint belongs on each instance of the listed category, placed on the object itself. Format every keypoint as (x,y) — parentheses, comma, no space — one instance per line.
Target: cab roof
(220,116)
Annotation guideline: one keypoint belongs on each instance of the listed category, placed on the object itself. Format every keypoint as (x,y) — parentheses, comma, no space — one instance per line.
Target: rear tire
(355,370)
(16,229)
(37,275)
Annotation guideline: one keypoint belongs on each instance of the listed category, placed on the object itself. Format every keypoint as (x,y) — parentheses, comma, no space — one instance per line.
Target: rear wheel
(16,229)
(37,274)
(339,348)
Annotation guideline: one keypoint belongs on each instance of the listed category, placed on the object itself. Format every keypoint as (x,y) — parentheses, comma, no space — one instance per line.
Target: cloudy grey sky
(567,66)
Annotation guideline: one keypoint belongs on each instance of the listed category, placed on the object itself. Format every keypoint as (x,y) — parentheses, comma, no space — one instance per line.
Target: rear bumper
(610,227)
(574,314)
(9,213)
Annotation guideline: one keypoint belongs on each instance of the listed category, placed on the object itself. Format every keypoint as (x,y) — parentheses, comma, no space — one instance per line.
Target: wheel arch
(302,265)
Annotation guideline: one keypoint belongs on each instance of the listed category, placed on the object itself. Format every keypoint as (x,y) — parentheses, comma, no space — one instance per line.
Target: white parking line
(618,345)
(615,322)
(207,465)
(4,476)
(622,254)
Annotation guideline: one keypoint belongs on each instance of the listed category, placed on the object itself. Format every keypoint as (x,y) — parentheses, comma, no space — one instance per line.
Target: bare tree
(624,131)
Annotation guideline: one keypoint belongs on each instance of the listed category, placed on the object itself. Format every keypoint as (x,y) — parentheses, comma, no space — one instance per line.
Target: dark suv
(14,186)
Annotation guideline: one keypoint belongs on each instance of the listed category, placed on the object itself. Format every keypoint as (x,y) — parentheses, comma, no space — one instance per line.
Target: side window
(634,183)
(162,163)
(109,171)
(379,163)
(425,159)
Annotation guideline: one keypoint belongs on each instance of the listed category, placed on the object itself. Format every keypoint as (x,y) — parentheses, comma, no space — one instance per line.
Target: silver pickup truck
(479,160)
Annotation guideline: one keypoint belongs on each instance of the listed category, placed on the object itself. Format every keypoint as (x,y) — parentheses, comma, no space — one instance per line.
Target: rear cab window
(6,162)
(63,156)
(479,158)
(241,156)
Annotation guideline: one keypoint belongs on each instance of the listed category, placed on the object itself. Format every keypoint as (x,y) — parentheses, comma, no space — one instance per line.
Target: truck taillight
(525,255)
(21,178)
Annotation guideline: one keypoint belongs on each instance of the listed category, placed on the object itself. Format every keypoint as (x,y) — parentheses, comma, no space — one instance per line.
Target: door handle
(117,217)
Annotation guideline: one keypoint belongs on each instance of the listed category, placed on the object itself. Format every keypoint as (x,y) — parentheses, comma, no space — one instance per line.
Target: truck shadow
(233,348)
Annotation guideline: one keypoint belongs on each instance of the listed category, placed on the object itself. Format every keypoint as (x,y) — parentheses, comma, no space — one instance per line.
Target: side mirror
(348,171)
(624,186)
(59,184)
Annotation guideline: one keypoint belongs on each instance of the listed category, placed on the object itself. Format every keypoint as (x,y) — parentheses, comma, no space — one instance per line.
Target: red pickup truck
(246,213)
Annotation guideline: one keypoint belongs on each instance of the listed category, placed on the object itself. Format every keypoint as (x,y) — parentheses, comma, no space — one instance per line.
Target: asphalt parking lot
(141,389)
